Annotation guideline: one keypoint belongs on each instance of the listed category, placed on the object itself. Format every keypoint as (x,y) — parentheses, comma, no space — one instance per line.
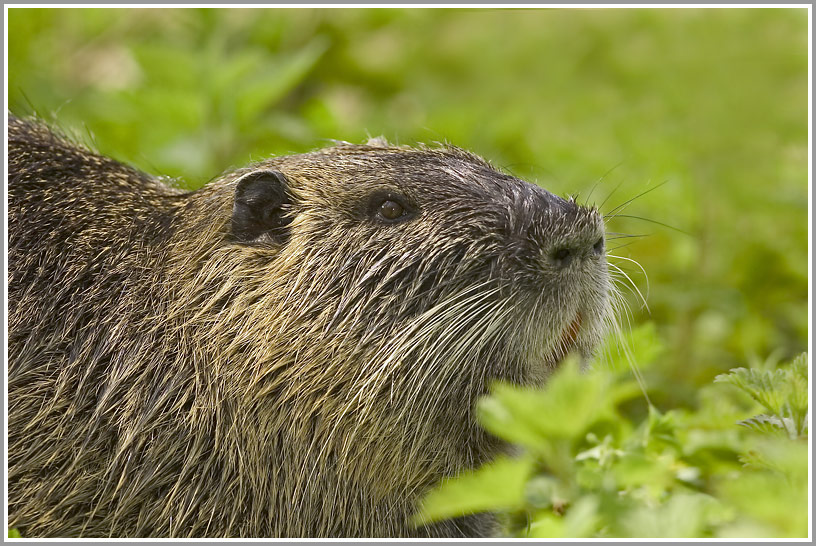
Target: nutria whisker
(635,290)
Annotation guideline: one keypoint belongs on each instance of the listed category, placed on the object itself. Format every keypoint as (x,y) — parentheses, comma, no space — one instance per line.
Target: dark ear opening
(261,206)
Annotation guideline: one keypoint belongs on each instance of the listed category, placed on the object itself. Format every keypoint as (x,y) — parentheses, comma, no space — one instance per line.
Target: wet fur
(168,379)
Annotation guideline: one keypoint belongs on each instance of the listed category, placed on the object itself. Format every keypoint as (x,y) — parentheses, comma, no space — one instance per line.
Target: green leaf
(767,424)
(542,491)
(580,520)
(796,376)
(783,392)
(786,457)
(636,470)
(496,417)
(570,404)
(778,497)
(14,533)
(661,428)
(762,386)
(682,516)
(499,485)
(546,525)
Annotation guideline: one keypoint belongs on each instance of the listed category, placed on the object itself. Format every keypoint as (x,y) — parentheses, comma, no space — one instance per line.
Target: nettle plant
(583,469)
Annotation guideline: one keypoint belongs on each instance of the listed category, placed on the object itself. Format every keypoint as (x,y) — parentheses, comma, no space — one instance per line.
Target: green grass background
(707,108)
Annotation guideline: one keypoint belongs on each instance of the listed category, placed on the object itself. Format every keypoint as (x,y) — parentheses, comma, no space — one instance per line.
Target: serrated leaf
(499,485)
(796,375)
(762,386)
(767,424)
(783,392)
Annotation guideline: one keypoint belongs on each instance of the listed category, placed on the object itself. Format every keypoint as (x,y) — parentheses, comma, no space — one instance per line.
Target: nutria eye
(391,210)
(389,207)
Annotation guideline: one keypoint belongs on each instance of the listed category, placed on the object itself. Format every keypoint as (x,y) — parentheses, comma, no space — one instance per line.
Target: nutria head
(377,291)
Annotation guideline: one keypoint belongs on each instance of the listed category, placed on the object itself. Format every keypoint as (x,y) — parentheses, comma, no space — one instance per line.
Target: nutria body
(293,350)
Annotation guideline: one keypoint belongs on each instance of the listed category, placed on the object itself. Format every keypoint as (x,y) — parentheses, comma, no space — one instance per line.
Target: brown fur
(166,379)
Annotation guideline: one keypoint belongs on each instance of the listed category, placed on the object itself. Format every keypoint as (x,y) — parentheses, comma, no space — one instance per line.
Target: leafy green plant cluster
(782,392)
(584,469)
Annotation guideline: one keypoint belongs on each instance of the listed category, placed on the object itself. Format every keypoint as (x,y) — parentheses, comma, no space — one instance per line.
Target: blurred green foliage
(585,470)
(698,116)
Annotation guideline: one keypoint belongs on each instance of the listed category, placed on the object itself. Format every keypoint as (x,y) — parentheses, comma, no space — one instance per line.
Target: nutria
(295,349)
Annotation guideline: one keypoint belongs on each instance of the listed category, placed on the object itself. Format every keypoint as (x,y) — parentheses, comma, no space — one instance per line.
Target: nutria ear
(259,211)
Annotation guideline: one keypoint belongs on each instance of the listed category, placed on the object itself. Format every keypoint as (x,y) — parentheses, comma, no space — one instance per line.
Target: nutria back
(296,349)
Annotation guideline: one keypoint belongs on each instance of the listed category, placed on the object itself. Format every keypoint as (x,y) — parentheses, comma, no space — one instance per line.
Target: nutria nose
(562,255)
(570,232)
(559,231)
